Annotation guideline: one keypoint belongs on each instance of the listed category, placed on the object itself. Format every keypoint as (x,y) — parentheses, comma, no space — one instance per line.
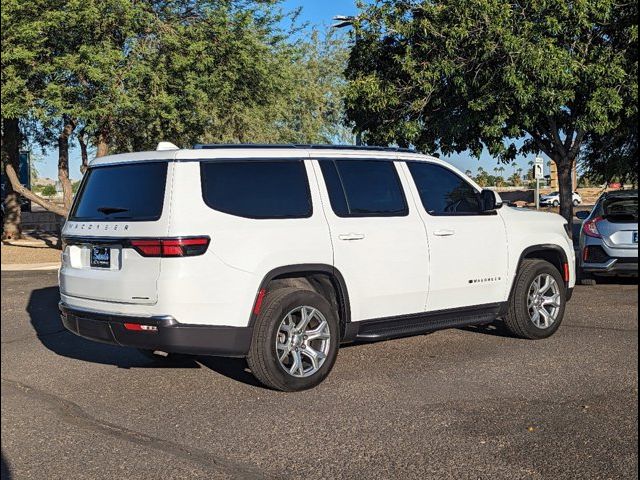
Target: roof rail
(303,146)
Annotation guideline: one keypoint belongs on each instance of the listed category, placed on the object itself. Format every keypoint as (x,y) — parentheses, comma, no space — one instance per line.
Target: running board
(407,325)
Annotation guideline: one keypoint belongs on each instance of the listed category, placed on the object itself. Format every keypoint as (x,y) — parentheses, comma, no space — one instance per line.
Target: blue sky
(317,13)
(320,12)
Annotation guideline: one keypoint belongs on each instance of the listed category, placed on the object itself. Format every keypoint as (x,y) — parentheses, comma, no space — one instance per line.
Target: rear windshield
(621,209)
(132,192)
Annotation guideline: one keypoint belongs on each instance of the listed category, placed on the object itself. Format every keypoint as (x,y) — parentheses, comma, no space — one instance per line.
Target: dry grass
(27,253)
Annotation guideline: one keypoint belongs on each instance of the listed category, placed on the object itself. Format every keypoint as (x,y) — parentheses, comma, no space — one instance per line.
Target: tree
(120,75)
(454,76)
(613,157)
(49,191)
(22,46)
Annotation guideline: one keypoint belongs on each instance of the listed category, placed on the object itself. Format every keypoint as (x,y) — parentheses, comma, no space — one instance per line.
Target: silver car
(609,236)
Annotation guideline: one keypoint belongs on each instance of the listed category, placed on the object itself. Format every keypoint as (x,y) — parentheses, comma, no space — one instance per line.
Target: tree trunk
(82,140)
(12,175)
(63,162)
(102,145)
(565,184)
(10,147)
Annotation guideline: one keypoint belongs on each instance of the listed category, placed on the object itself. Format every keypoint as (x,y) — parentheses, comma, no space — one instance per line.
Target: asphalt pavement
(466,404)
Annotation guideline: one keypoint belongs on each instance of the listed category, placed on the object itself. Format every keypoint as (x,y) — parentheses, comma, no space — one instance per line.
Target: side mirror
(489,200)
(583,214)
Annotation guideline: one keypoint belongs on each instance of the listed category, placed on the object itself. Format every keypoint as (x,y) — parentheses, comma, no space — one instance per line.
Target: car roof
(239,152)
(279,152)
(620,194)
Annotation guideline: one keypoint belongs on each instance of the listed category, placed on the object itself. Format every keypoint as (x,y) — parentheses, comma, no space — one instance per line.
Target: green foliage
(457,75)
(613,157)
(48,191)
(131,73)
(454,75)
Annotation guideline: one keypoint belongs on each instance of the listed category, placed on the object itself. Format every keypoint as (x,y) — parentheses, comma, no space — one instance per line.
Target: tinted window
(442,191)
(621,209)
(363,188)
(133,191)
(335,189)
(257,189)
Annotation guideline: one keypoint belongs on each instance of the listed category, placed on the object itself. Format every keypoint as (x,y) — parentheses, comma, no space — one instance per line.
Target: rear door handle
(351,236)
(444,233)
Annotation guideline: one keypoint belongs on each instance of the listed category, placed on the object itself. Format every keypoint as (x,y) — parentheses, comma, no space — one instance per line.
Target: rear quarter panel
(220,287)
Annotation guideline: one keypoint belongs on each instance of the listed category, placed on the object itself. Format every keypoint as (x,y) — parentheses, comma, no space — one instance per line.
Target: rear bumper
(613,266)
(164,334)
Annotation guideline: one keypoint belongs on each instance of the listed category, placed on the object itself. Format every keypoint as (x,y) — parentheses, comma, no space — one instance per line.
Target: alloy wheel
(544,301)
(303,341)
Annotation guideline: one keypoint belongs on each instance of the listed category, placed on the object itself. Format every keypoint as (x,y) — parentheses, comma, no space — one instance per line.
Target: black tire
(586,278)
(556,203)
(518,320)
(263,360)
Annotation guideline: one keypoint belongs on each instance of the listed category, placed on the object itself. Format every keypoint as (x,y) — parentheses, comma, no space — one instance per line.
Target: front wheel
(538,301)
(576,203)
(556,203)
(295,340)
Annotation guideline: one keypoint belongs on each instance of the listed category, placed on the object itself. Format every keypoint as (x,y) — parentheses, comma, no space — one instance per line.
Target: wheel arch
(552,253)
(314,276)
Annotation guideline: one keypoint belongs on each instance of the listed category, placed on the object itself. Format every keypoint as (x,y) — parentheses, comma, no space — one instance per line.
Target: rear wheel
(537,304)
(556,203)
(295,340)
(576,203)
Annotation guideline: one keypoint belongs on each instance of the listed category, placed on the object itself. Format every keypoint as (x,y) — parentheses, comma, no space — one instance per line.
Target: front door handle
(444,233)
(351,236)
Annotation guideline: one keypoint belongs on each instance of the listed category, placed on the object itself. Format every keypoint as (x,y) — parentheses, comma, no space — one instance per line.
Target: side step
(406,325)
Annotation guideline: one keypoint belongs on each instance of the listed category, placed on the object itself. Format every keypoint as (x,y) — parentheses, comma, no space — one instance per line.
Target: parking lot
(471,403)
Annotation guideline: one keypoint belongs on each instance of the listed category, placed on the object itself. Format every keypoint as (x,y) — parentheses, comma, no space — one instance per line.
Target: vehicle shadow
(6,471)
(232,368)
(496,329)
(45,320)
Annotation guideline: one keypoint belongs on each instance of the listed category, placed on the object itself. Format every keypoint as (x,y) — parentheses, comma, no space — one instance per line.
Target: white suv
(553,199)
(282,253)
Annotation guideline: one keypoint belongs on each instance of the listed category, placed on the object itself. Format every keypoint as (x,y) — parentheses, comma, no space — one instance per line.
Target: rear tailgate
(619,227)
(115,204)
(619,235)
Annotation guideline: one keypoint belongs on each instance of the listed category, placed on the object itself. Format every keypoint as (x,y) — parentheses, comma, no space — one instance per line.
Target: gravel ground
(468,403)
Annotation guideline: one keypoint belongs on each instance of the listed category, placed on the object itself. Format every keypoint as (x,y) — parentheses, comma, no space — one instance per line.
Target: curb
(22,267)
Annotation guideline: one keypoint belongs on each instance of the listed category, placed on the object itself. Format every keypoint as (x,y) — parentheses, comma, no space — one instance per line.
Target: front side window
(257,189)
(364,188)
(442,192)
(128,191)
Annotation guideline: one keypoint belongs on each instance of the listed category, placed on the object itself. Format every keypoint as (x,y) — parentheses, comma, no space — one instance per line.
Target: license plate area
(100,257)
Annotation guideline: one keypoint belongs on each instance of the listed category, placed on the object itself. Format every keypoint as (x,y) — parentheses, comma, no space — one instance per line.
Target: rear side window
(364,188)
(442,192)
(257,189)
(132,191)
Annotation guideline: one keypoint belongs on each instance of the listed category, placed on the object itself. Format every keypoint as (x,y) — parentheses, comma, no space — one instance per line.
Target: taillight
(171,247)
(590,228)
(136,327)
